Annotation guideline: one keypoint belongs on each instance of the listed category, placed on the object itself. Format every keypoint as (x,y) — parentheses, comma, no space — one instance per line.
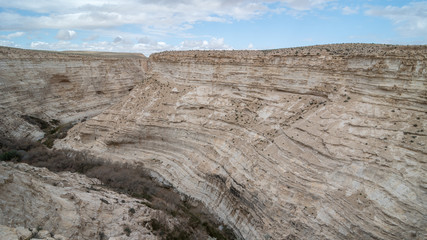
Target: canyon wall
(67,204)
(62,86)
(325,142)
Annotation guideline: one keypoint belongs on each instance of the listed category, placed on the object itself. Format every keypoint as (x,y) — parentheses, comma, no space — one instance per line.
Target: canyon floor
(320,142)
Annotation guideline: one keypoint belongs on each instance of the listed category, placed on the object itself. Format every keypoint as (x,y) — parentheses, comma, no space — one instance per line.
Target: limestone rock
(8,233)
(34,231)
(61,86)
(324,142)
(72,210)
(23,233)
(59,237)
(43,234)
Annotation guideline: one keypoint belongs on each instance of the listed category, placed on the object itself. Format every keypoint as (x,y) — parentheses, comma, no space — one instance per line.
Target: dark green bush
(9,155)
(155,224)
(127,231)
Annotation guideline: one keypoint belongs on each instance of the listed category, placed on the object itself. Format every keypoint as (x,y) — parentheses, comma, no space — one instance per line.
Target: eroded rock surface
(61,86)
(324,142)
(67,206)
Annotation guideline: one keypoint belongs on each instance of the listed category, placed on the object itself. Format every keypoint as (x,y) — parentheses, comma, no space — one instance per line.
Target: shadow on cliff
(195,222)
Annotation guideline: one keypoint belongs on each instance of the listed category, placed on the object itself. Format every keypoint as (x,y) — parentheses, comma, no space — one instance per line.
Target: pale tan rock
(31,197)
(34,231)
(23,233)
(324,142)
(67,87)
(8,233)
(43,234)
(59,237)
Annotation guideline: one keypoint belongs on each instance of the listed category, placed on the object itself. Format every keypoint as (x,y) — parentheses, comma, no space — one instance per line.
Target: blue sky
(148,26)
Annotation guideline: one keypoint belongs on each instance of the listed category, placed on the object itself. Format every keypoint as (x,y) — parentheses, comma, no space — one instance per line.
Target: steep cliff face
(324,142)
(68,204)
(63,86)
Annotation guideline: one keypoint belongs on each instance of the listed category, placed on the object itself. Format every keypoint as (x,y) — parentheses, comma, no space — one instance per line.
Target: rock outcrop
(21,233)
(67,206)
(325,142)
(61,86)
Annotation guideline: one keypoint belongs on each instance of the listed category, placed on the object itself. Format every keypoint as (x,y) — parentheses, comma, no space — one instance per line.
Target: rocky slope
(66,87)
(325,142)
(66,206)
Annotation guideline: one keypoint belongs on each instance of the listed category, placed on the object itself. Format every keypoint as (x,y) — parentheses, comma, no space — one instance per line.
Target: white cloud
(8,43)
(122,44)
(12,35)
(213,44)
(146,40)
(65,34)
(39,45)
(250,46)
(118,39)
(60,45)
(101,19)
(348,10)
(91,38)
(306,4)
(173,15)
(411,19)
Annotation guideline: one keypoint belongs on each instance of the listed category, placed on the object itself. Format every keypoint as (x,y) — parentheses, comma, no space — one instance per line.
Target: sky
(148,26)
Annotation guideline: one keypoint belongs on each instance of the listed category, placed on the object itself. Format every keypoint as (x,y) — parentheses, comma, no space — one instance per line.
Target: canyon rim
(320,142)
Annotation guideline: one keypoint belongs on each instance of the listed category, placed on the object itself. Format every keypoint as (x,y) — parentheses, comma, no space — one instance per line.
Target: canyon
(68,204)
(320,142)
(61,86)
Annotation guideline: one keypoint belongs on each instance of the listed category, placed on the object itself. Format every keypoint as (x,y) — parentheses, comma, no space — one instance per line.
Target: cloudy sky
(148,26)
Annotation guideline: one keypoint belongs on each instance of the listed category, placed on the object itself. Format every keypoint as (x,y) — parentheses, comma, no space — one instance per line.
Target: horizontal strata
(63,86)
(324,142)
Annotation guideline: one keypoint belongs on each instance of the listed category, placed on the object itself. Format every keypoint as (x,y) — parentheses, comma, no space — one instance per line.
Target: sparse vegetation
(102,236)
(9,155)
(195,220)
(156,225)
(52,129)
(127,231)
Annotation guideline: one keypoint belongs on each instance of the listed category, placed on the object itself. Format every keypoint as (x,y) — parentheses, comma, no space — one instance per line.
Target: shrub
(132,180)
(9,155)
(102,236)
(155,224)
(127,231)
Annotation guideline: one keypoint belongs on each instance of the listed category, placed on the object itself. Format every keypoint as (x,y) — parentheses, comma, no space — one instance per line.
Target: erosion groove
(322,142)
(35,199)
(67,87)
(69,204)
(312,142)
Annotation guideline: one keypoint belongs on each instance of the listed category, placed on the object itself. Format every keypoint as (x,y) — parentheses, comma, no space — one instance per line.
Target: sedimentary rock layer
(63,86)
(68,205)
(324,142)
